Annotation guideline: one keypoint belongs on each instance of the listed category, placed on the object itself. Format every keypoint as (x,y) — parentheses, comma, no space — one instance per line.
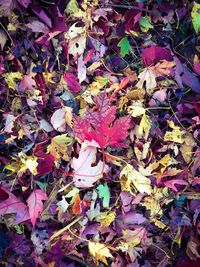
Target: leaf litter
(99,139)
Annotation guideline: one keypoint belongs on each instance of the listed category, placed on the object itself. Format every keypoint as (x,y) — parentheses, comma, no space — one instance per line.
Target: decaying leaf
(164,67)
(176,135)
(99,251)
(59,147)
(147,78)
(11,77)
(129,176)
(85,175)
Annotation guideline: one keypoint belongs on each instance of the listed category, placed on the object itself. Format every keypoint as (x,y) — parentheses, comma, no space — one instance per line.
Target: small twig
(135,8)
(65,228)
(7,33)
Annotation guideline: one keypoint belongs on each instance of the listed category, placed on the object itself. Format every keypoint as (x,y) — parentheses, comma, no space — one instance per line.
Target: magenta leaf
(155,53)
(72,82)
(171,184)
(24,3)
(35,204)
(11,204)
(97,125)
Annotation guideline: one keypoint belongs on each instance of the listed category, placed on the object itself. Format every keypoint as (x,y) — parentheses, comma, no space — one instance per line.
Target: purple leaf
(155,53)
(184,76)
(24,3)
(72,82)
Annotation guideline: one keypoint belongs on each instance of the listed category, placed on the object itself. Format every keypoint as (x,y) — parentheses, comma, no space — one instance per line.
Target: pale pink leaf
(58,120)
(85,175)
(171,184)
(37,26)
(27,83)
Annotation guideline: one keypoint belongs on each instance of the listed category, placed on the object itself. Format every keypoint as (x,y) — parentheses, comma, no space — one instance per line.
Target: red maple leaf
(101,125)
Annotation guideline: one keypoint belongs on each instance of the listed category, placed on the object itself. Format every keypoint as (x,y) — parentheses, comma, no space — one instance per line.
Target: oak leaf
(85,175)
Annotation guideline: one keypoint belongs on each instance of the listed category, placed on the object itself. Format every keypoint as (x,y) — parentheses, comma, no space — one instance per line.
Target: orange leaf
(76,207)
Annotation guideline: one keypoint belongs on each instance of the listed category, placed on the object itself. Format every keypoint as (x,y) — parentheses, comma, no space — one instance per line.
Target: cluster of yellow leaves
(94,88)
(129,176)
(74,10)
(99,251)
(106,218)
(10,79)
(21,164)
(59,147)
(154,203)
(176,135)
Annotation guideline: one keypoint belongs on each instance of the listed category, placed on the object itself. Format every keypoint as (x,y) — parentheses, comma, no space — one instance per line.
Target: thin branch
(135,8)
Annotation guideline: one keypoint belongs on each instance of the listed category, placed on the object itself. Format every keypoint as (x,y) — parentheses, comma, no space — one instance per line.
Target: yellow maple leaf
(21,164)
(29,162)
(99,251)
(153,203)
(10,78)
(129,176)
(163,163)
(176,135)
(144,128)
(94,88)
(59,147)
(73,9)
(106,218)
(158,223)
(136,108)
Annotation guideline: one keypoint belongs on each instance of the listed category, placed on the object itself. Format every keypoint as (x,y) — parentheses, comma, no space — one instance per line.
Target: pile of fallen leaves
(100,129)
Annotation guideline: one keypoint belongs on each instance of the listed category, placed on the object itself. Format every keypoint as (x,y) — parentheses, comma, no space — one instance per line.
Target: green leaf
(74,10)
(145,24)
(195,14)
(125,47)
(104,193)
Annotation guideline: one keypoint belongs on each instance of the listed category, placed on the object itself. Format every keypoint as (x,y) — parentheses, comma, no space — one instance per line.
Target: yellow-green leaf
(145,126)
(125,47)
(145,24)
(99,251)
(195,14)
(129,176)
(10,78)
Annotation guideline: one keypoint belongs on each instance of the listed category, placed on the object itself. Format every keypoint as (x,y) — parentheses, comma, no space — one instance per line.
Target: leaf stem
(56,234)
